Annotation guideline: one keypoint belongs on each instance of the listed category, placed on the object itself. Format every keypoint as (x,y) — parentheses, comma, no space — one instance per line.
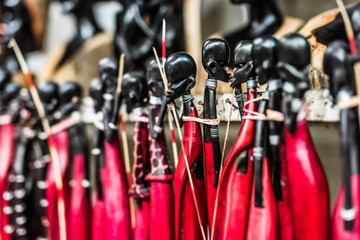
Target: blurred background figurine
(139,28)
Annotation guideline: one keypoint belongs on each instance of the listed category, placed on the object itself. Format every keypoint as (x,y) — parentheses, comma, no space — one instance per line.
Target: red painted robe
(234,191)
(186,220)
(308,185)
(61,141)
(7,132)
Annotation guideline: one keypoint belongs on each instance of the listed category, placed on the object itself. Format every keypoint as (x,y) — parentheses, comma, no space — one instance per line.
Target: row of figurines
(280,63)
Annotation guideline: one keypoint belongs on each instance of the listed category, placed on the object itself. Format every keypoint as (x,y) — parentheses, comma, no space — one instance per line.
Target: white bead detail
(42,185)
(43,203)
(21,220)
(19,208)
(19,193)
(7,196)
(9,229)
(21,231)
(8,210)
(85,183)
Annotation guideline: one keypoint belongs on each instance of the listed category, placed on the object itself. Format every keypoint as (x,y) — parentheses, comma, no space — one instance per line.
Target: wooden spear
(46,126)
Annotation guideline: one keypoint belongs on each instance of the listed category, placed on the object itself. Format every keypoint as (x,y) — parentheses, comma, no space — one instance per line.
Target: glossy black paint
(293,58)
(49,95)
(244,70)
(108,71)
(215,60)
(134,90)
(265,19)
(338,66)
(139,28)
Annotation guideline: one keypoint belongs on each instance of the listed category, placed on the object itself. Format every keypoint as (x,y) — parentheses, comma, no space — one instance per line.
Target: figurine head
(69,6)
(26,100)
(264,54)
(96,91)
(242,57)
(134,90)
(5,78)
(215,58)
(70,97)
(294,49)
(108,74)
(154,81)
(337,66)
(49,95)
(10,92)
(180,71)
(355,22)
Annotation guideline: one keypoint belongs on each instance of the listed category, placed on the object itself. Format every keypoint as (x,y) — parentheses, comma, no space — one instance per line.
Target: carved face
(10,92)
(49,95)
(215,58)
(295,50)
(264,54)
(243,61)
(134,90)
(25,97)
(96,91)
(154,81)
(355,20)
(70,97)
(337,66)
(4,78)
(180,70)
(108,74)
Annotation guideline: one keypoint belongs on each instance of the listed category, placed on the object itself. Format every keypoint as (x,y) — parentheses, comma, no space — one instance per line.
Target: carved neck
(188,104)
(210,99)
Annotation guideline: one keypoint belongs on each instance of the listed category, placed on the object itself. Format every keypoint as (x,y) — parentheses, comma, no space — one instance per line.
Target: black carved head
(243,63)
(134,90)
(355,21)
(26,100)
(70,97)
(108,70)
(265,58)
(5,78)
(215,58)
(180,71)
(154,81)
(337,66)
(10,92)
(294,49)
(96,91)
(49,95)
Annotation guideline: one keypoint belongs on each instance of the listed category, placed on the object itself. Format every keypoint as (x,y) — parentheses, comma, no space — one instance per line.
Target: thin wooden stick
(183,149)
(121,72)
(46,125)
(124,138)
(351,39)
(171,126)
